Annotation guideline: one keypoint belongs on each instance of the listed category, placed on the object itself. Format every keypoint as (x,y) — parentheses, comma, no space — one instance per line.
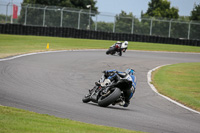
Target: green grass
(180,82)
(14,120)
(16,44)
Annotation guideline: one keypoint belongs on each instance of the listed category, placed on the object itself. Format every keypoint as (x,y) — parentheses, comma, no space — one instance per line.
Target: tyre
(108,52)
(86,99)
(105,101)
(111,50)
(120,53)
(113,53)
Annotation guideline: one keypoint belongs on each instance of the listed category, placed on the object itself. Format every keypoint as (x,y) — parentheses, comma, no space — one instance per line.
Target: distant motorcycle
(117,48)
(106,92)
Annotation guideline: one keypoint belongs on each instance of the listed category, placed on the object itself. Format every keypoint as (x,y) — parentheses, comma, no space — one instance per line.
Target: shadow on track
(111,107)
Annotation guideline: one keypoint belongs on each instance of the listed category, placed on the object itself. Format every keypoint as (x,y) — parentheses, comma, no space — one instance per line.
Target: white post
(151,26)
(44,15)
(11,19)
(61,18)
(96,23)
(170,23)
(189,29)
(79,18)
(89,6)
(90,16)
(114,24)
(26,15)
(132,26)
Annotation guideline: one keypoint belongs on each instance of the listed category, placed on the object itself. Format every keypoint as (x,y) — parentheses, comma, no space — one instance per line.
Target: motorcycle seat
(122,75)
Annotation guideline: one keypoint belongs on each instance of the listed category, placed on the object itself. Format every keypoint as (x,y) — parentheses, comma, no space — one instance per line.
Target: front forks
(94,93)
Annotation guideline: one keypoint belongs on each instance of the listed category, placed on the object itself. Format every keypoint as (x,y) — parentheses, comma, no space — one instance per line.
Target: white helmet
(118,42)
(126,42)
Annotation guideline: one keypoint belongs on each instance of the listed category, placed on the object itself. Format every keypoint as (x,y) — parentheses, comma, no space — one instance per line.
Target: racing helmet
(130,71)
(126,42)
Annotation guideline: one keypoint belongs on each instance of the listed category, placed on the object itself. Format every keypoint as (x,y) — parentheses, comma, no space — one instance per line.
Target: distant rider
(116,76)
(124,46)
(121,46)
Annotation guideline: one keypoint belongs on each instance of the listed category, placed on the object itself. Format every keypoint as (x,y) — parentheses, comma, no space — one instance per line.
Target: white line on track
(23,55)
(155,90)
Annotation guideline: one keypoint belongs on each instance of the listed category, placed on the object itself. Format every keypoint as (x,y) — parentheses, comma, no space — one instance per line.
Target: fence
(52,16)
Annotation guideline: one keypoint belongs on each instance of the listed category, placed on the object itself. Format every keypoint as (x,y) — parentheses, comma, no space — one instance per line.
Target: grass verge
(14,120)
(17,44)
(180,82)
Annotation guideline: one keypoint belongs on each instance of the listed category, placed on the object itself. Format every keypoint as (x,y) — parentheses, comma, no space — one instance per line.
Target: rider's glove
(105,73)
(97,84)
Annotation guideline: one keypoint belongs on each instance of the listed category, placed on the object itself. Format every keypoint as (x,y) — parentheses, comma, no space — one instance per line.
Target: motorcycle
(106,92)
(117,48)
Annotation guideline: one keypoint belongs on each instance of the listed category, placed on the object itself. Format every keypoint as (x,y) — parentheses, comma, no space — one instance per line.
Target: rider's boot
(121,103)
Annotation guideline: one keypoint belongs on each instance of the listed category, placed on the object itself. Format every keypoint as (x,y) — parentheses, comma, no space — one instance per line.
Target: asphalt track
(54,84)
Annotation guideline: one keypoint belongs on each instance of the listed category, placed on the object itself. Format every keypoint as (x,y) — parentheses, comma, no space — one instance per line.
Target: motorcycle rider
(118,43)
(124,46)
(118,46)
(116,76)
(121,45)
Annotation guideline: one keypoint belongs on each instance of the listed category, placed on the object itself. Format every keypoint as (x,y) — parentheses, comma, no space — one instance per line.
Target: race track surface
(55,83)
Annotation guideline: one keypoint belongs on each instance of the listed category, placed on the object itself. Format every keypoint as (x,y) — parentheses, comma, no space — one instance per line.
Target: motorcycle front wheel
(111,51)
(86,99)
(104,101)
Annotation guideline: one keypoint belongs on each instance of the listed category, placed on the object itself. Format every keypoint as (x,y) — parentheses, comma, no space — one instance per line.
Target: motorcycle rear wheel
(105,101)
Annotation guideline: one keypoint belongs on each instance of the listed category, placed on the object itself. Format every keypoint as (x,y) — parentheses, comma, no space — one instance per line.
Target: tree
(2,18)
(81,4)
(195,13)
(52,10)
(123,22)
(103,26)
(195,28)
(161,8)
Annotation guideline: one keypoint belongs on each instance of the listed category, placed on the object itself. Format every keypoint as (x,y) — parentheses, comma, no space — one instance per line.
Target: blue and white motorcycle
(106,92)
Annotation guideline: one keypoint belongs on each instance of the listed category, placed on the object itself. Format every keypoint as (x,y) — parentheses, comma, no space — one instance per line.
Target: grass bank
(180,82)
(14,120)
(17,44)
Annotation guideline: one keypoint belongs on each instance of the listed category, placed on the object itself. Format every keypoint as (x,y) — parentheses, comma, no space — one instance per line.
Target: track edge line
(169,99)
